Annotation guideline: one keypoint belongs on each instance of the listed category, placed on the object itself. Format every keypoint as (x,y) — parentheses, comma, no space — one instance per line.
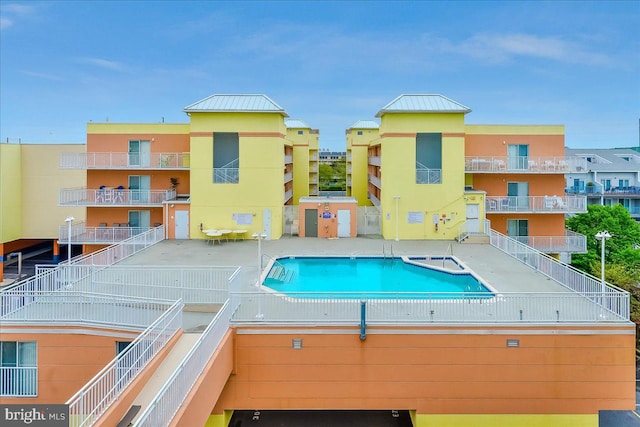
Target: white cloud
(41,75)
(12,11)
(104,63)
(5,23)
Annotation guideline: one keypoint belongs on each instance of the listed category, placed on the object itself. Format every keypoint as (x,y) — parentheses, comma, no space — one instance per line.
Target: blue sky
(65,63)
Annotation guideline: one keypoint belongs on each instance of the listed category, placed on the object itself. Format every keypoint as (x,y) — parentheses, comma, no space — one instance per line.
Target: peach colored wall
(67,361)
(560,370)
(159,179)
(539,184)
(496,145)
(539,225)
(119,215)
(197,406)
(327,227)
(119,143)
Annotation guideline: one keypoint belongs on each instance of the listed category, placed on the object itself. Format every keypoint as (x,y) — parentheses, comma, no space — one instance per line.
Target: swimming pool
(315,277)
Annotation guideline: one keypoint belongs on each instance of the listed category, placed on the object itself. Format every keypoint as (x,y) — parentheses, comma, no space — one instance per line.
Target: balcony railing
(288,177)
(524,164)
(537,204)
(573,242)
(598,189)
(426,175)
(92,400)
(288,158)
(374,199)
(81,234)
(313,178)
(125,161)
(21,381)
(227,174)
(374,160)
(113,197)
(288,195)
(375,181)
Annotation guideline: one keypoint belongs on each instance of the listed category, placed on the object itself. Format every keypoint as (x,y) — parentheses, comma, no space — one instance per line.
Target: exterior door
(518,156)
(140,219)
(344,223)
(139,186)
(311,222)
(266,223)
(519,230)
(181,228)
(518,193)
(139,153)
(473,218)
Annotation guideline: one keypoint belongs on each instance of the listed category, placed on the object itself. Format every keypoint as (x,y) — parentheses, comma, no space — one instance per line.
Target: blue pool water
(354,277)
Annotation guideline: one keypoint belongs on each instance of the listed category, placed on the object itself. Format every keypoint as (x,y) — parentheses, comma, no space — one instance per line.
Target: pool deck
(502,272)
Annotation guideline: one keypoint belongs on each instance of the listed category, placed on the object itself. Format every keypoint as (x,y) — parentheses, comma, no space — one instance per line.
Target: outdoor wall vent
(296,343)
(513,343)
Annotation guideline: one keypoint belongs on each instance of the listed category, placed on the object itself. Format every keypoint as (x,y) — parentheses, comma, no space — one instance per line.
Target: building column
(56,252)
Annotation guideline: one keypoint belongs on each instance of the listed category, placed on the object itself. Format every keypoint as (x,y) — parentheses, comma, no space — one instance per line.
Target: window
(300,132)
(226,158)
(139,153)
(623,184)
(518,195)
(625,203)
(429,158)
(518,156)
(518,228)
(18,368)
(606,184)
(359,132)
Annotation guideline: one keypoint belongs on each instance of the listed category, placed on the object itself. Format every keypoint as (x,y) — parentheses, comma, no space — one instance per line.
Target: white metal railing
(227,174)
(204,285)
(288,177)
(612,297)
(20,381)
(374,160)
(92,400)
(83,234)
(288,195)
(170,398)
(19,307)
(124,161)
(288,158)
(536,204)
(525,164)
(313,178)
(374,199)
(113,197)
(375,181)
(419,308)
(425,175)
(572,242)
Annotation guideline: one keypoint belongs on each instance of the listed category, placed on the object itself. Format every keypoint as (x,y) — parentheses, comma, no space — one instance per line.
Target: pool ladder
(384,251)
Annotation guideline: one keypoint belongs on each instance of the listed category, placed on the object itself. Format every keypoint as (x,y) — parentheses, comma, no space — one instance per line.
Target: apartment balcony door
(518,193)
(139,219)
(139,186)
(519,230)
(518,156)
(139,153)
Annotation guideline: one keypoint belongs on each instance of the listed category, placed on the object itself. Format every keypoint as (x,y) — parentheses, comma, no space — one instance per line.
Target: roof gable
(423,104)
(365,124)
(235,103)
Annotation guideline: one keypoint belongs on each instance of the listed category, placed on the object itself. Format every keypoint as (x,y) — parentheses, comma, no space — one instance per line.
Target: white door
(266,223)
(344,223)
(182,224)
(473,218)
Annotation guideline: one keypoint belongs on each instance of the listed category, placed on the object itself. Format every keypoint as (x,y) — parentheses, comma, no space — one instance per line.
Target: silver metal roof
(365,124)
(236,103)
(296,124)
(423,104)
(608,159)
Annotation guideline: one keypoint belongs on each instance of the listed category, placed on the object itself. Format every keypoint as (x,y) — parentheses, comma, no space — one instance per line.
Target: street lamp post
(397,199)
(603,236)
(69,221)
(259,237)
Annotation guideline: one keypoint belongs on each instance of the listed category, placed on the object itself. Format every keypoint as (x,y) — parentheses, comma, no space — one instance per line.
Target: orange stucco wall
(496,144)
(119,143)
(539,184)
(170,223)
(67,358)
(119,215)
(159,179)
(539,225)
(562,370)
(328,227)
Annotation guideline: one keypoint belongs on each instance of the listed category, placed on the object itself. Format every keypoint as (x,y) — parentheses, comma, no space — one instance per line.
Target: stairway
(281,274)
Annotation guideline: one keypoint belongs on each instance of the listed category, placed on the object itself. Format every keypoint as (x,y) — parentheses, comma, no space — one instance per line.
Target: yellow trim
(520,420)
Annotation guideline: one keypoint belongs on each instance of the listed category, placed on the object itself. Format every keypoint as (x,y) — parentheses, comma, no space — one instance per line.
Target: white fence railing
(369,220)
(125,160)
(113,197)
(171,396)
(92,400)
(21,381)
(608,296)
(572,242)
(206,285)
(538,204)
(419,308)
(103,235)
(524,164)
(124,249)
(21,307)
(480,227)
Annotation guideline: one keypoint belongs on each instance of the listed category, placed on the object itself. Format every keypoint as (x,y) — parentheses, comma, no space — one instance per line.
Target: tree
(325,175)
(621,248)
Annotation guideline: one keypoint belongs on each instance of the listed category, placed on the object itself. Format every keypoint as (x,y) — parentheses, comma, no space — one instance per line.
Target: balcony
(313,190)
(375,181)
(425,175)
(537,204)
(288,158)
(288,195)
(313,178)
(374,161)
(524,164)
(109,197)
(572,242)
(288,177)
(374,199)
(81,234)
(597,190)
(125,161)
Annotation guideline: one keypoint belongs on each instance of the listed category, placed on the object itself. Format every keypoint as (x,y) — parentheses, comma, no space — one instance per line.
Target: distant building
(328,157)
(611,176)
